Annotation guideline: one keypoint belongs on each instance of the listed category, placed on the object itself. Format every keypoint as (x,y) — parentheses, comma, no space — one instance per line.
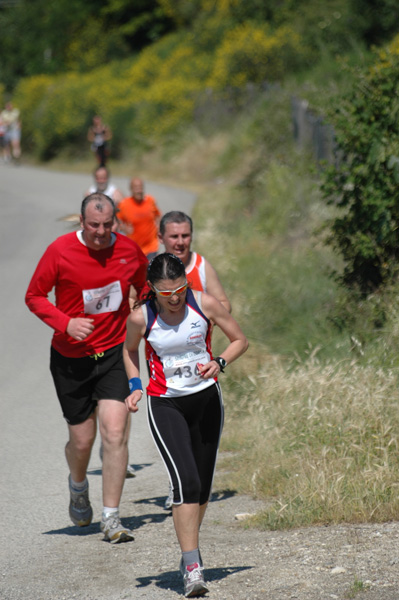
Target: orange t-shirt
(142,216)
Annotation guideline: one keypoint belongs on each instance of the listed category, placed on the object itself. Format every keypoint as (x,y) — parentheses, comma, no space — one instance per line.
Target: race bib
(103,300)
(181,370)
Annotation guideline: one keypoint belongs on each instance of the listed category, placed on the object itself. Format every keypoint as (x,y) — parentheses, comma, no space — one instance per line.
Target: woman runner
(185,408)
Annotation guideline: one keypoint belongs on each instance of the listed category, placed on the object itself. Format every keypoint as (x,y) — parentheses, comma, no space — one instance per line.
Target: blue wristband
(135,384)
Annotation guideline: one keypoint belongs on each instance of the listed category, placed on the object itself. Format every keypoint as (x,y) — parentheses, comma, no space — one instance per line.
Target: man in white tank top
(102,184)
(176,232)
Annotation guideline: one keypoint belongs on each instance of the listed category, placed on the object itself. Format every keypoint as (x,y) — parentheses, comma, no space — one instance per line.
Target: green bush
(252,53)
(364,184)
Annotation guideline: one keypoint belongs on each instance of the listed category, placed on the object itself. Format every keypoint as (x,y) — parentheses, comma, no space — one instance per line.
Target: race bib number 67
(103,300)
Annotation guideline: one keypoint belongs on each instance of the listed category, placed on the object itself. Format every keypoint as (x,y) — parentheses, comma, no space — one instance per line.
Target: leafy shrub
(94,46)
(28,96)
(152,95)
(364,185)
(252,53)
(148,97)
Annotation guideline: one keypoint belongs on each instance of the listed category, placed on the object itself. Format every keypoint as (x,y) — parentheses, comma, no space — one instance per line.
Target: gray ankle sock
(79,487)
(189,558)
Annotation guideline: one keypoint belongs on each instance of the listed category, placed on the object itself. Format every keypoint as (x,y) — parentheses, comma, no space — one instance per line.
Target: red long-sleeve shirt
(88,283)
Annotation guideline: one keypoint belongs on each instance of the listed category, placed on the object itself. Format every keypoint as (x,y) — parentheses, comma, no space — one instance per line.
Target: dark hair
(174,216)
(100,200)
(165,266)
(162,266)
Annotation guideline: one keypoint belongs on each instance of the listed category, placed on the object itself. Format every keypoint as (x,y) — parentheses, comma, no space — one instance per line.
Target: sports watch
(221,362)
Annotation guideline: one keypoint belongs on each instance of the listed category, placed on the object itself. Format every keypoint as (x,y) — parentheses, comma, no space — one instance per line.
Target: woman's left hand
(211,369)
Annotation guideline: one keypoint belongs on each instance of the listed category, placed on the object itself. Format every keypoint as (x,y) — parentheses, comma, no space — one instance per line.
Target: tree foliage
(364,185)
(53,36)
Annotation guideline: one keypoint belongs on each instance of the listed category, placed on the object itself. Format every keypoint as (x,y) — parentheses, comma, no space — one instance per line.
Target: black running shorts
(81,382)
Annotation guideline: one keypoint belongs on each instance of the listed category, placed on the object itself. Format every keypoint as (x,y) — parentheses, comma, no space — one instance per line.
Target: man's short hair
(100,200)
(101,168)
(174,216)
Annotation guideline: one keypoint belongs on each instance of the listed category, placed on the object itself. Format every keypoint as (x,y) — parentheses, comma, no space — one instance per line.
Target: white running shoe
(193,580)
(114,531)
(130,472)
(169,500)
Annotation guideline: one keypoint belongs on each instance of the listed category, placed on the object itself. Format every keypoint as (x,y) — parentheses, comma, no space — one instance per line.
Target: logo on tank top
(195,338)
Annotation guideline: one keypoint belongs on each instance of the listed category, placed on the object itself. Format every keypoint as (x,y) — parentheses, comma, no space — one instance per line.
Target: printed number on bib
(182,370)
(103,300)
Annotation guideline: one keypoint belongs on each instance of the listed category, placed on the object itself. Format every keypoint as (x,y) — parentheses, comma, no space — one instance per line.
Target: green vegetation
(357,587)
(199,94)
(364,184)
(311,420)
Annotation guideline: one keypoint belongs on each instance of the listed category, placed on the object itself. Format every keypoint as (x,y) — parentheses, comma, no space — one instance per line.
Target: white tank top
(109,191)
(174,351)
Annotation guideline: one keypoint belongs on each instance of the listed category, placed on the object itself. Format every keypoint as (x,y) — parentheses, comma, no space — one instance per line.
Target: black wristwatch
(221,362)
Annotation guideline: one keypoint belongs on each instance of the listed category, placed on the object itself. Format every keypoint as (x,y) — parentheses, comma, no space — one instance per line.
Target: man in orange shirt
(138,217)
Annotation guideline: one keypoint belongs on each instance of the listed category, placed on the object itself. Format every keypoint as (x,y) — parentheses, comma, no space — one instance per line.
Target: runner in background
(99,135)
(12,136)
(176,234)
(138,217)
(103,185)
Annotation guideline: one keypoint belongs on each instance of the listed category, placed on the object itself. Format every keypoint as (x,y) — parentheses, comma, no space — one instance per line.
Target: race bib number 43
(102,300)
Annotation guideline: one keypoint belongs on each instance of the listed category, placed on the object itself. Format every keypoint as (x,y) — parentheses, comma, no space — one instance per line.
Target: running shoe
(193,580)
(80,509)
(169,500)
(114,531)
(130,472)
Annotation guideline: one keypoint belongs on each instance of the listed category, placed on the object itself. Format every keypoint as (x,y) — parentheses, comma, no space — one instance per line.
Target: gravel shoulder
(44,557)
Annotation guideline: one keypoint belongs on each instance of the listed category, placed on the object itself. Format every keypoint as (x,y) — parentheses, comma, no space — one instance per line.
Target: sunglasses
(169,293)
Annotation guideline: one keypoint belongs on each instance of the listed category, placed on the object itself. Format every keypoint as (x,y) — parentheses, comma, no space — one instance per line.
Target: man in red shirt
(138,217)
(93,271)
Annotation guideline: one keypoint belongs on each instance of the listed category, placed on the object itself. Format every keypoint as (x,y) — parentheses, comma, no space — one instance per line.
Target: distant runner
(102,184)
(138,217)
(11,120)
(99,135)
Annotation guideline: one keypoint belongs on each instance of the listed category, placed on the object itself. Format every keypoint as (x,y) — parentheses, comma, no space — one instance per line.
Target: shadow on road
(134,523)
(136,467)
(171,580)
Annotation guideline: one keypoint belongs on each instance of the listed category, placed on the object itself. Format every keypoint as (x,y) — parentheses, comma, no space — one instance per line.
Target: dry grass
(319,443)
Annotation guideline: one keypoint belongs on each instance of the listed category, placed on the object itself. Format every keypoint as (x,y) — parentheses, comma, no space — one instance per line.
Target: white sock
(110,512)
